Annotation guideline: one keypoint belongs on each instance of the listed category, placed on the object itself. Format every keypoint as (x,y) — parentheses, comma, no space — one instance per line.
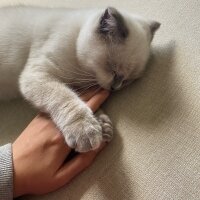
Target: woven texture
(155,154)
(6,173)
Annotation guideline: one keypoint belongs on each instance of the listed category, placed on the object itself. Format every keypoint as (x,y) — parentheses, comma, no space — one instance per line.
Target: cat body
(49,55)
(30,32)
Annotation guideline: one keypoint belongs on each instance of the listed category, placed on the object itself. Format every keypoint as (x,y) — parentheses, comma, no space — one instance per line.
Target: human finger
(95,102)
(77,165)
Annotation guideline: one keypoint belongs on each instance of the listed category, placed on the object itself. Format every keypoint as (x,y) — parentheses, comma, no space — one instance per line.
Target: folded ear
(112,24)
(154,26)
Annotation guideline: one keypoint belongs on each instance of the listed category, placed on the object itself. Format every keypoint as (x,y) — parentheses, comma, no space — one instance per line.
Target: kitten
(51,51)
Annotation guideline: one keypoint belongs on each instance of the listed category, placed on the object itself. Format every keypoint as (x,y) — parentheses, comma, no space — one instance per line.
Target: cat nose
(117,82)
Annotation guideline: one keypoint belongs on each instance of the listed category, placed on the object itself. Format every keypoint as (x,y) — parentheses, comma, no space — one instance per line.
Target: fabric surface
(156,150)
(6,173)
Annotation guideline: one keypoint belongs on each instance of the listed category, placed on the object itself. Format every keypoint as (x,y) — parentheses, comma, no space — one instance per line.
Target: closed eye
(127,82)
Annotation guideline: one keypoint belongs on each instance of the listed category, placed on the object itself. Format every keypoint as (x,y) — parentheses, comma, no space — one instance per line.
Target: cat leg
(81,130)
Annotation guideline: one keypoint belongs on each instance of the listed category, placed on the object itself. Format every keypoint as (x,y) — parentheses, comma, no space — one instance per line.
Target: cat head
(115,47)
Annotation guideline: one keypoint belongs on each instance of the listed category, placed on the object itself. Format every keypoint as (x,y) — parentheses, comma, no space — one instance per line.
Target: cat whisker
(77,71)
(83,71)
(78,79)
(82,92)
(82,79)
(80,82)
(85,86)
(84,89)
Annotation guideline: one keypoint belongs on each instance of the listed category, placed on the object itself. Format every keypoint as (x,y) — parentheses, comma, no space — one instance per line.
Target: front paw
(84,134)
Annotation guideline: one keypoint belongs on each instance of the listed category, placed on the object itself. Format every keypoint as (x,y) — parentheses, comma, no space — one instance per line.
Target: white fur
(49,48)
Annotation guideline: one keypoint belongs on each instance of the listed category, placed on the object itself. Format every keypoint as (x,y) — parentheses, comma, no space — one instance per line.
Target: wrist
(19,185)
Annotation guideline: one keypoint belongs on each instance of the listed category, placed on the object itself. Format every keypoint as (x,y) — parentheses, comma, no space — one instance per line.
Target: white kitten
(52,50)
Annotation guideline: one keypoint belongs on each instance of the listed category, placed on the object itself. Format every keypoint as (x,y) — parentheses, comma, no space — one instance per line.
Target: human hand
(40,151)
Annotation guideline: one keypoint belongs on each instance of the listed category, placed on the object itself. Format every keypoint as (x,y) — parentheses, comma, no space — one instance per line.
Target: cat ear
(112,25)
(154,26)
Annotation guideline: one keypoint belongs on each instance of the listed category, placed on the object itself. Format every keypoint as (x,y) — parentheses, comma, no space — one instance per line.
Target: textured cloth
(155,153)
(6,173)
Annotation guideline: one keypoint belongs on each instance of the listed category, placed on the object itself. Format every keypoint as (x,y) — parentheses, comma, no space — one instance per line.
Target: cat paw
(84,135)
(107,127)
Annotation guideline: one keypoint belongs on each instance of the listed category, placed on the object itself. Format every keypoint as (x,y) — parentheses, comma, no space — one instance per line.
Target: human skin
(39,154)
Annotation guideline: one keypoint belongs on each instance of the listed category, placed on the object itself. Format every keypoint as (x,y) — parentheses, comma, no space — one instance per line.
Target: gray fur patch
(112,25)
(154,26)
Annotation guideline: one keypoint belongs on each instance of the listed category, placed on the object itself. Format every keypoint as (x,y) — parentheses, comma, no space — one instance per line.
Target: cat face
(115,48)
